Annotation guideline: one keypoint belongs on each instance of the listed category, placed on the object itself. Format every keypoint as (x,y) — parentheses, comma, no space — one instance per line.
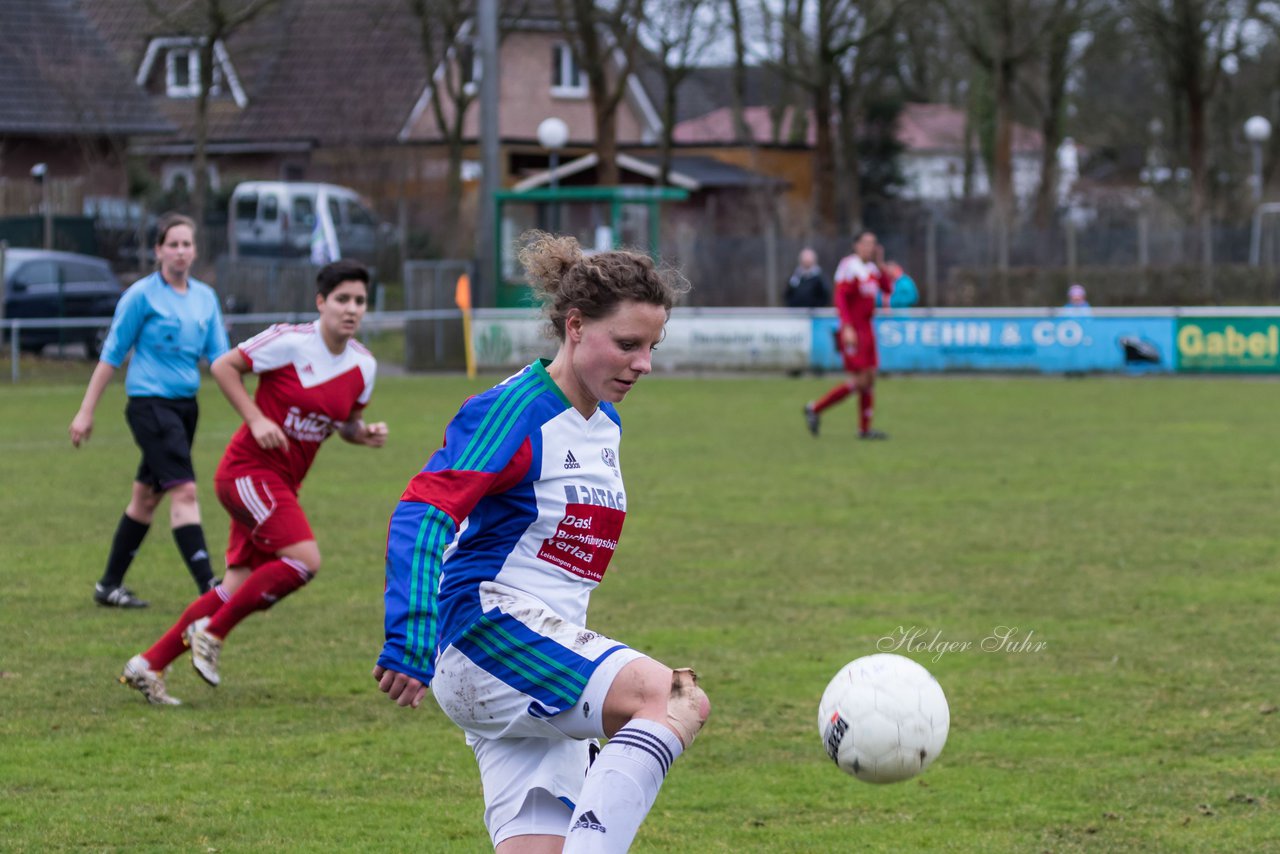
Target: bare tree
(604,38)
(1062,50)
(1002,36)
(444,36)
(1195,40)
(929,64)
(679,31)
(829,35)
(738,93)
(210,23)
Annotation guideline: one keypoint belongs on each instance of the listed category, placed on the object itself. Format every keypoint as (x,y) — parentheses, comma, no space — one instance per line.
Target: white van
(283,218)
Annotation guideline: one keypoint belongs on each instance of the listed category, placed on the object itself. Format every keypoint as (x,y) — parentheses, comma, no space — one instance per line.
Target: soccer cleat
(872,434)
(138,674)
(116,597)
(811,418)
(205,649)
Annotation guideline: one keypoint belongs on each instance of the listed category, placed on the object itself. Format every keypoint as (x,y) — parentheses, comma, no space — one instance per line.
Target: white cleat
(139,675)
(205,649)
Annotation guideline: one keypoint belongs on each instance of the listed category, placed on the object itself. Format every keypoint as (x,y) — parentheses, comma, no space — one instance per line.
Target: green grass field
(1128,526)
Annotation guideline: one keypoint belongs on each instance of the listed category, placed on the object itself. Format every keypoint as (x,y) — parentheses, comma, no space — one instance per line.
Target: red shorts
(864,356)
(265,518)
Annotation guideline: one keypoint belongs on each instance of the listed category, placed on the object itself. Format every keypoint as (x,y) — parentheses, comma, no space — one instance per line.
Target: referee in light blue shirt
(170,321)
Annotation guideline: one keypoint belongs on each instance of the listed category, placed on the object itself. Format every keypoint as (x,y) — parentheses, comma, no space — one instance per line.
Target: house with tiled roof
(932,160)
(65,102)
(326,90)
(935,150)
(302,91)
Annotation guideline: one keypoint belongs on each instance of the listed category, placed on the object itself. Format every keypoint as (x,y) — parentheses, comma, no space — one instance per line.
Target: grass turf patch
(1125,525)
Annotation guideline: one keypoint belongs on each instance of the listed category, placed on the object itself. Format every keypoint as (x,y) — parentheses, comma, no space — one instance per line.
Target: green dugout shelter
(601,218)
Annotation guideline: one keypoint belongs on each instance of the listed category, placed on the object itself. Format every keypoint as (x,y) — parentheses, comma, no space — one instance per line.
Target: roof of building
(941,127)
(58,76)
(691,173)
(717,127)
(921,129)
(329,71)
(710,88)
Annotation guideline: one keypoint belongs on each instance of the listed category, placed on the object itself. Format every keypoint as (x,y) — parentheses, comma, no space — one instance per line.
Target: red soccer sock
(833,397)
(866,403)
(265,586)
(170,645)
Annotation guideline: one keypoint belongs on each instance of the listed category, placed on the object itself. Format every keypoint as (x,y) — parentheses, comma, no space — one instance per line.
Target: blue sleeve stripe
(434,533)
(498,423)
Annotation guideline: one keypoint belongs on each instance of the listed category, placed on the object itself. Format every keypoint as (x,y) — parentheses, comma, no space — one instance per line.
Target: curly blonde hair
(564,278)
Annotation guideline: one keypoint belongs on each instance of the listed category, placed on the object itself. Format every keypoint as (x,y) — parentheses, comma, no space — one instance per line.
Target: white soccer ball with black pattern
(883,718)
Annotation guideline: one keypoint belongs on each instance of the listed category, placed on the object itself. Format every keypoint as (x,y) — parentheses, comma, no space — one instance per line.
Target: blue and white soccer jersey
(492,554)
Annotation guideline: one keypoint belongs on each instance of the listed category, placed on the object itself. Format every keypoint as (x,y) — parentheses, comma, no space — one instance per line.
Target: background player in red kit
(859,278)
(314,380)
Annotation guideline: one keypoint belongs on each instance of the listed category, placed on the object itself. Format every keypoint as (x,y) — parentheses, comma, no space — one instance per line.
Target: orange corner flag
(462,294)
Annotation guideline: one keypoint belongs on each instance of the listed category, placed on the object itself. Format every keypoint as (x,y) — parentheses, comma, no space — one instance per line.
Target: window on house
(567,78)
(469,63)
(182,73)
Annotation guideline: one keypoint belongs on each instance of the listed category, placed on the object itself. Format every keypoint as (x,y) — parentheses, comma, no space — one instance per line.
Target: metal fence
(955,257)
(255,292)
(400,339)
(435,342)
(266,285)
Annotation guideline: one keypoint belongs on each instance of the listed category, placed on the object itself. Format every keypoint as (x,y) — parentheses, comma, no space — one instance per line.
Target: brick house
(320,90)
(65,102)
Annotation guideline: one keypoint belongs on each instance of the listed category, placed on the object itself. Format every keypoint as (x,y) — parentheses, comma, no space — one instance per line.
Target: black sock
(124,545)
(190,540)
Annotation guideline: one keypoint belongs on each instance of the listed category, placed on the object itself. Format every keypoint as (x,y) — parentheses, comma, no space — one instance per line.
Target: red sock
(265,586)
(866,403)
(170,645)
(833,397)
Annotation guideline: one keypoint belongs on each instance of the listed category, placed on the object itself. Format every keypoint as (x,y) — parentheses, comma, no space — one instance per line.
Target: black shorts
(164,429)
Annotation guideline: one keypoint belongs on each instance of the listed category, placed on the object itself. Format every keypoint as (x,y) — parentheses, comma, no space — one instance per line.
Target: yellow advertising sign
(1229,344)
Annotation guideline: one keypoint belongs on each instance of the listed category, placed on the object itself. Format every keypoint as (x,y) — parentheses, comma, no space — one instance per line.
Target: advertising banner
(696,339)
(995,341)
(919,340)
(1229,344)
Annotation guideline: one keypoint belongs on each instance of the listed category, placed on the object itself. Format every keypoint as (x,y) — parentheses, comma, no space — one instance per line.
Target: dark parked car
(42,284)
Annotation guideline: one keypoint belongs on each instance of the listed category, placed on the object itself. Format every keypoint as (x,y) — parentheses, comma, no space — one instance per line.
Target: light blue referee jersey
(168,333)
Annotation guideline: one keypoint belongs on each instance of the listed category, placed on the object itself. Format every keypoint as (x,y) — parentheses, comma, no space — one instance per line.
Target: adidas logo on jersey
(570,462)
(588,821)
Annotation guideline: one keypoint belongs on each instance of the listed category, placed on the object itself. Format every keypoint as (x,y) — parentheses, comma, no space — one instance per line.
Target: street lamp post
(1257,130)
(40,173)
(553,133)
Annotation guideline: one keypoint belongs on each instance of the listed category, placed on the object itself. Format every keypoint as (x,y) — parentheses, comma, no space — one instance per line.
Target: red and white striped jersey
(857,283)
(305,389)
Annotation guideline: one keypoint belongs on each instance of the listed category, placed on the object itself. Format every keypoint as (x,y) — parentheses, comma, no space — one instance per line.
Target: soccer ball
(883,718)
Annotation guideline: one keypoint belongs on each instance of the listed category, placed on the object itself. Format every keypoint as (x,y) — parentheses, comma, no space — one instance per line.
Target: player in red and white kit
(859,279)
(314,379)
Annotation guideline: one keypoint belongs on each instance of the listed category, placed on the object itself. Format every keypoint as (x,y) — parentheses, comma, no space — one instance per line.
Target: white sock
(621,787)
